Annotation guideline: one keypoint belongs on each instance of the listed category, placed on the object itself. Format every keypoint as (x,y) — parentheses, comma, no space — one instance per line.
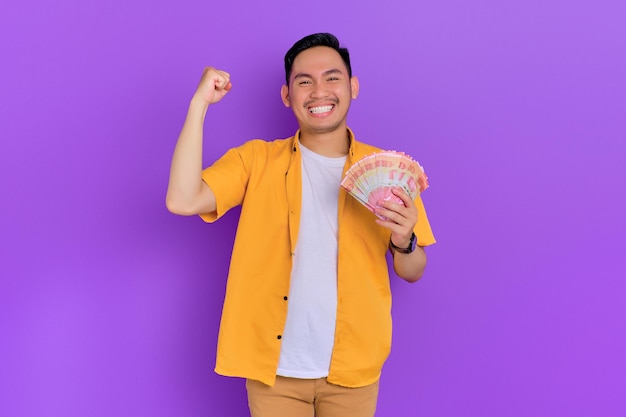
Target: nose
(319,91)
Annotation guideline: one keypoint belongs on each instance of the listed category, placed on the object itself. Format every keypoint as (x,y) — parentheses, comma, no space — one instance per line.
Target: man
(307,313)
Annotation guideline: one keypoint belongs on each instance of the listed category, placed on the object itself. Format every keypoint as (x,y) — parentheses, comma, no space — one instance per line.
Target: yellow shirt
(265,179)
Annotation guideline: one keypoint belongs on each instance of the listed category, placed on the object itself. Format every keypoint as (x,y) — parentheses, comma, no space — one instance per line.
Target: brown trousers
(291,397)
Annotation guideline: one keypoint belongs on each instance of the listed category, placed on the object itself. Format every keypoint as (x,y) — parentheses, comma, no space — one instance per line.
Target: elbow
(410,267)
(175,206)
(411,273)
(189,205)
(412,278)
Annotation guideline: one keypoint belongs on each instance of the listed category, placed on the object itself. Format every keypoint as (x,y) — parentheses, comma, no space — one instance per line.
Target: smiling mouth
(321,109)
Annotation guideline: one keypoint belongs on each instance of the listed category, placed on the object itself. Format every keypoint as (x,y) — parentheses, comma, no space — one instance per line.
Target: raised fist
(213,85)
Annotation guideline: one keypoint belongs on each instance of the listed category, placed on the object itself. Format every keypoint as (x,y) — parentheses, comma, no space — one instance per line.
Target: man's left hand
(400,218)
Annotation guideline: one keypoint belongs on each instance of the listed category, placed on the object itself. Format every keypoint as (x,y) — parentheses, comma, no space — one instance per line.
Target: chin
(329,128)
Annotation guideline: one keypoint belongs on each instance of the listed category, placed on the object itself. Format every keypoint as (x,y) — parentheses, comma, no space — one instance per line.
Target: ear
(354,86)
(284,94)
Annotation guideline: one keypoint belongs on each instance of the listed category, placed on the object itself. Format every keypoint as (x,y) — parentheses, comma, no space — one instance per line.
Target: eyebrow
(325,73)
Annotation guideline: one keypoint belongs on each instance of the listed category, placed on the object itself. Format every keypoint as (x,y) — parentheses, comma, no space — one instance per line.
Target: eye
(304,82)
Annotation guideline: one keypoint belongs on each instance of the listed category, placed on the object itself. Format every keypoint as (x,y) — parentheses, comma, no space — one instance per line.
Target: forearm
(410,266)
(185,182)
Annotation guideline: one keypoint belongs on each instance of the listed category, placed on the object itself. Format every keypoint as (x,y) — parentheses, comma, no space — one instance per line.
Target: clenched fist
(213,85)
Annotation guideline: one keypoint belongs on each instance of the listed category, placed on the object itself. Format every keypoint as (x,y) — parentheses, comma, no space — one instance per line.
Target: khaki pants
(290,397)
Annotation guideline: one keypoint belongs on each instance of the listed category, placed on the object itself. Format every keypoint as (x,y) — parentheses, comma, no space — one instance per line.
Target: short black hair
(316,39)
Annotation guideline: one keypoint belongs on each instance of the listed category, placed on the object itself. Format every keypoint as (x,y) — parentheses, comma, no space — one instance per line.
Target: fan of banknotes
(372,178)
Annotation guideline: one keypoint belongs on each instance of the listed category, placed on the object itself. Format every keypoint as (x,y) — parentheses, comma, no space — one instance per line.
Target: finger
(392,216)
(223,83)
(403,214)
(396,229)
(406,199)
(394,207)
(218,79)
(224,74)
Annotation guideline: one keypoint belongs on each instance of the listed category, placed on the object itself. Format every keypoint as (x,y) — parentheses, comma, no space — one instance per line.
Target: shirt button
(285,298)
(279,337)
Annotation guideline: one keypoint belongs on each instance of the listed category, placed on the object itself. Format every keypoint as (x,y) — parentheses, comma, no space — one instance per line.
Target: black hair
(317,39)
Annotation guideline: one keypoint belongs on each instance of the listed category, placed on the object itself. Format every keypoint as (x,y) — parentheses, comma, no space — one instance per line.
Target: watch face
(412,244)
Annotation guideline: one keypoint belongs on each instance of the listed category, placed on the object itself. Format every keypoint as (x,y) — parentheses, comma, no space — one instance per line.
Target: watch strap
(411,248)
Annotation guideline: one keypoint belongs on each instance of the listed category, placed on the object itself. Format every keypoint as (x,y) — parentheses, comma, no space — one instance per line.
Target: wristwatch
(411,248)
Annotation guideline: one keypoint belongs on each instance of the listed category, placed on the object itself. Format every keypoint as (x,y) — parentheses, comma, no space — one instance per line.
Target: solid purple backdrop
(109,305)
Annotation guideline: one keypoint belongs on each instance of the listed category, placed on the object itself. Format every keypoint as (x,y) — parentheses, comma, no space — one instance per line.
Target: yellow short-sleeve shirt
(265,179)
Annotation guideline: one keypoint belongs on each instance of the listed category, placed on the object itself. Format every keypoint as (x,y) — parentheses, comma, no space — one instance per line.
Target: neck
(332,144)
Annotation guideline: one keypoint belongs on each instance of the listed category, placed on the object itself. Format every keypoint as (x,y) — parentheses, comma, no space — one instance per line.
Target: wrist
(198,101)
(405,248)
(403,243)
(198,106)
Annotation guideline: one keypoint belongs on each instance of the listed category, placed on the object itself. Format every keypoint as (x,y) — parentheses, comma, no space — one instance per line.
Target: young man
(307,313)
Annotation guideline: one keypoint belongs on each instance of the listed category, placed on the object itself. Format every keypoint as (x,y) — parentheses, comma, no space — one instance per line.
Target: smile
(321,109)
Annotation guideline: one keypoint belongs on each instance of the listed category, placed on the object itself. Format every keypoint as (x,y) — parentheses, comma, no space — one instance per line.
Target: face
(320,90)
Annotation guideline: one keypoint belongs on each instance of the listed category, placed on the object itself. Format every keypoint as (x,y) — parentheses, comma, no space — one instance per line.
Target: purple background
(109,305)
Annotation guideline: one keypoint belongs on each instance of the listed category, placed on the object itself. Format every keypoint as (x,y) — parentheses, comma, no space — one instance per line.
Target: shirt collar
(295,143)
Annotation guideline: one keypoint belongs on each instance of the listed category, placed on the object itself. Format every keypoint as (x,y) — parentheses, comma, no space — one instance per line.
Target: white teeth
(320,109)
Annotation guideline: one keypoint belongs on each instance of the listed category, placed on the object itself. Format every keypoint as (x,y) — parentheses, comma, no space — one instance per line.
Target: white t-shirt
(309,334)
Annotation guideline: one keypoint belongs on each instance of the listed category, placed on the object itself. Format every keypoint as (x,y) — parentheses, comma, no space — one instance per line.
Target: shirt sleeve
(422,229)
(228,179)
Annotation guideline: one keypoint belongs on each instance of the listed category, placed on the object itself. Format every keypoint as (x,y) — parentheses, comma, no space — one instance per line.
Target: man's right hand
(213,86)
